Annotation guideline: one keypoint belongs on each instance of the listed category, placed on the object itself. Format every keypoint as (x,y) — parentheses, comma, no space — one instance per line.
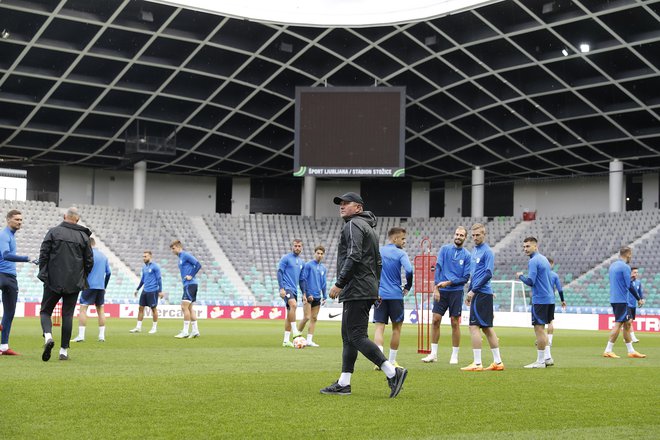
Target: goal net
(510,295)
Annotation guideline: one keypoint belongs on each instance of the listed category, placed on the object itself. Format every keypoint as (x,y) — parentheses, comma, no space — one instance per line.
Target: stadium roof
(523,89)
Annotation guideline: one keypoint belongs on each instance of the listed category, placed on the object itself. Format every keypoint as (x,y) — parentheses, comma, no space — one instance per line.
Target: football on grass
(300,342)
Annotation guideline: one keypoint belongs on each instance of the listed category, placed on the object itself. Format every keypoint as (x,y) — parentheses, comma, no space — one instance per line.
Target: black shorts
(620,312)
(92,296)
(481,310)
(149,299)
(189,293)
(290,295)
(315,303)
(389,308)
(452,301)
(632,313)
(543,314)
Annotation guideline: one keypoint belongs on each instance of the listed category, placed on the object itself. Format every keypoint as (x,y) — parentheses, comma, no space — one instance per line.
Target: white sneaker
(152,331)
(453,360)
(193,335)
(536,365)
(101,339)
(635,341)
(295,333)
(312,344)
(182,335)
(430,358)
(79,339)
(135,330)
(549,362)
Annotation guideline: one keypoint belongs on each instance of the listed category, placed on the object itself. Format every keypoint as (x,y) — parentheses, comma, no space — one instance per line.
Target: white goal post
(510,294)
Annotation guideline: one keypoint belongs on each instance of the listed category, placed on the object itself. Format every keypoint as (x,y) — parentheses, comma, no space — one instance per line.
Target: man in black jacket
(65,260)
(358,272)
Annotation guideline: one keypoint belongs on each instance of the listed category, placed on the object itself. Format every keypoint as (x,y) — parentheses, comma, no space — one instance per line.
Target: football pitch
(236,381)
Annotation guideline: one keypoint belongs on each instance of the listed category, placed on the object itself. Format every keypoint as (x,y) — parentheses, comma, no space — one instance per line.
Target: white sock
(48,336)
(632,336)
(287,336)
(434,350)
(548,355)
(186,326)
(630,347)
(154,326)
(380,347)
(393,353)
(476,352)
(309,337)
(64,351)
(4,347)
(138,325)
(102,332)
(81,332)
(550,339)
(454,352)
(388,369)
(540,356)
(610,347)
(195,329)
(344,379)
(496,355)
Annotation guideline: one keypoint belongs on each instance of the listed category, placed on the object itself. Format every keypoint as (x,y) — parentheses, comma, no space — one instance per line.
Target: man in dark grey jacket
(358,273)
(65,260)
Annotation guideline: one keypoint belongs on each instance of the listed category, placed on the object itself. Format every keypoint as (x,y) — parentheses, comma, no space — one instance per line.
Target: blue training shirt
(188,265)
(539,279)
(288,272)
(637,285)
(8,257)
(556,284)
(620,283)
(151,278)
(481,269)
(313,279)
(394,259)
(453,265)
(100,271)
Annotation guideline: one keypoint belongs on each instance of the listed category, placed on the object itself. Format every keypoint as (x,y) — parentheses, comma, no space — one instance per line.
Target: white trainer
(135,330)
(453,360)
(152,331)
(312,344)
(79,339)
(430,358)
(536,365)
(193,335)
(182,335)
(549,362)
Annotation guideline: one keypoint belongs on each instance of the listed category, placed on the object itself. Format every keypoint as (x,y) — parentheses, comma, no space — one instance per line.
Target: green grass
(236,381)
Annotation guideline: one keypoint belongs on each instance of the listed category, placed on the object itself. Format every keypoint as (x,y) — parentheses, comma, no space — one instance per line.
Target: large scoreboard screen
(350,132)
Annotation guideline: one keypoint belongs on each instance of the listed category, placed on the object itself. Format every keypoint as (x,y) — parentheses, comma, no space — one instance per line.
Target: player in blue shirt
(480,300)
(632,304)
(556,285)
(97,282)
(543,298)
(288,278)
(188,267)
(390,291)
(153,289)
(8,282)
(452,271)
(313,287)
(620,288)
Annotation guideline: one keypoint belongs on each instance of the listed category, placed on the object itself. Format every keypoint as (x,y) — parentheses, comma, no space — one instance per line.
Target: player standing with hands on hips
(358,272)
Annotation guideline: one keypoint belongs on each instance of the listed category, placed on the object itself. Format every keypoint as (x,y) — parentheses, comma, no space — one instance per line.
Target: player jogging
(153,289)
(188,267)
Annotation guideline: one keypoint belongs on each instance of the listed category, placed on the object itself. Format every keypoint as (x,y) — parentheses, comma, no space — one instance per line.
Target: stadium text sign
(642,323)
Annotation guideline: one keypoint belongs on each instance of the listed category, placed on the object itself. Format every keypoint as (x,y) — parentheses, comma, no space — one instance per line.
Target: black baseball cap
(349,197)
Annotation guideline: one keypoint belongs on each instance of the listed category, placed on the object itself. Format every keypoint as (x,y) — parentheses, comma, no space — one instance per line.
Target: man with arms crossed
(390,293)
(556,285)
(358,270)
(288,278)
(452,271)
(543,298)
(153,289)
(313,286)
(97,282)
(8,282)
(480,300)
(188,267)
(632,304)
(620,288)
